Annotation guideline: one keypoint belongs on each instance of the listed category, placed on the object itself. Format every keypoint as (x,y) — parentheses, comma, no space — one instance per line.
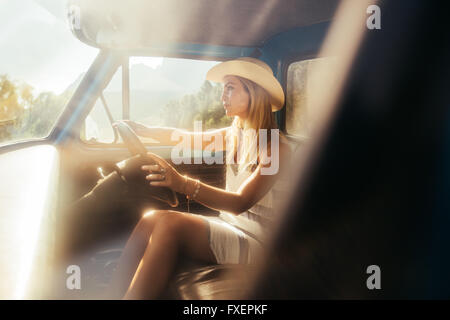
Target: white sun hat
(254,70)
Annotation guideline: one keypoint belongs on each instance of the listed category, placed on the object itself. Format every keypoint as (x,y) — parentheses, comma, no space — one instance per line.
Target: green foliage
(204,105)
(12,107)
(24,116)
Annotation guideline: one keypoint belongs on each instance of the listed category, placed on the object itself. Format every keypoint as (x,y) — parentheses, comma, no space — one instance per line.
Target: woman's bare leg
(132,254)
(173,233)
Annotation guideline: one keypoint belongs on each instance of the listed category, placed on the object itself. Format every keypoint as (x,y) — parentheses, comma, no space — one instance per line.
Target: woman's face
(234,98)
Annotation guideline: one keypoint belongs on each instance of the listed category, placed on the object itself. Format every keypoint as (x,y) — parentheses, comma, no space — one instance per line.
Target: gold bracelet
(185,183)
(197,188)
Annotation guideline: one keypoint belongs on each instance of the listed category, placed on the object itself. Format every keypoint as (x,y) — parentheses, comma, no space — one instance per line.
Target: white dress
(241,238)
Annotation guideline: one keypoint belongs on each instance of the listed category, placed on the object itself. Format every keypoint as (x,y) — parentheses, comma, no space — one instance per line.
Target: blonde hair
(260,116)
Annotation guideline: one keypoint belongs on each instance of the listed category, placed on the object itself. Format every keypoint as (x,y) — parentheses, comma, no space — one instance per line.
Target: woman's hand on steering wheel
(163,174)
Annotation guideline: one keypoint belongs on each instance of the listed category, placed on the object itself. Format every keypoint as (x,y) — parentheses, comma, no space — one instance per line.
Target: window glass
(164,92)
(173,92)
(299,100)
(98,124)
(41,64)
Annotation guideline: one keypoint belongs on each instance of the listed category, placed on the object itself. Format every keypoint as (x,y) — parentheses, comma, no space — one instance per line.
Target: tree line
(204,105)
(23,115)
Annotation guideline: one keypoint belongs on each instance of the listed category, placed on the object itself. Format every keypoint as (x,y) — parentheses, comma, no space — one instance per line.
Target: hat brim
(253,72)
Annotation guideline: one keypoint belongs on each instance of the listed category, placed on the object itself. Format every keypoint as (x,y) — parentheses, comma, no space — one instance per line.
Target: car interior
(369,179)
(96,218)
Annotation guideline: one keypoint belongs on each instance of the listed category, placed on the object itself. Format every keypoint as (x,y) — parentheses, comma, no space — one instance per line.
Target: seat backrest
(377,188)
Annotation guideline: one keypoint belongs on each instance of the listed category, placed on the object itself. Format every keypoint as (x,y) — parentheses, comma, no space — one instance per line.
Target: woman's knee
(148,221)
(190,234)
(166,220)
(170,223)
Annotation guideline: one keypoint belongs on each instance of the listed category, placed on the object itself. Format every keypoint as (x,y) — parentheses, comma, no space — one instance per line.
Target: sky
(37,46)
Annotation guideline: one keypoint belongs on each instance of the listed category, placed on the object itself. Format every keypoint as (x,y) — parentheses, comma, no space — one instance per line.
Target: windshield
(41,64)
(163,92)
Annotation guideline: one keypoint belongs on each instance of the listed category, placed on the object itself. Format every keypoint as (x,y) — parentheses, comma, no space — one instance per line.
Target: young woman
(251,93)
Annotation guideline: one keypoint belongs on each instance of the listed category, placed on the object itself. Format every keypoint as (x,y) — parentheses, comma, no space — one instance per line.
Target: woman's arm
(250,192)
(172,136)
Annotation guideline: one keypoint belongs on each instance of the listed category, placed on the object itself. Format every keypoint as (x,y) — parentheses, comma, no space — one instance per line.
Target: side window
(299,102)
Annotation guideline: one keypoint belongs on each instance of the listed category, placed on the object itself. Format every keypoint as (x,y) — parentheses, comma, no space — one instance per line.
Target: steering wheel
(129,169)
(130,138)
